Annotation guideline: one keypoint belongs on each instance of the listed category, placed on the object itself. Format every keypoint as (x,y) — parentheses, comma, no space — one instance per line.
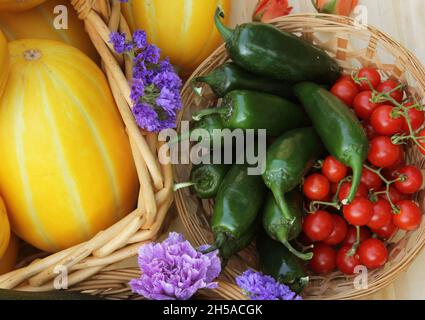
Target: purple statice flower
(167,79)
(155,88)
(174,270)
(150,54)
(139,38)
(120,43)
(137,90)
(258,286)
(168,100)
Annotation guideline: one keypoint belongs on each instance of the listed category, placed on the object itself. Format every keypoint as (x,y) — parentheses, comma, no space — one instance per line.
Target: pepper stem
(282,204)
(206,112)
(183,185)
(226,33)
(197,90)
(357,167)
(295,252)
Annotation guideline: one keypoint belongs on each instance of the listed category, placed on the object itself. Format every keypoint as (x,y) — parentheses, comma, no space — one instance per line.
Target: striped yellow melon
(184,30)
(39,23)
(66,169)
(18,5)
(4,62)
(8,260)
(4,229)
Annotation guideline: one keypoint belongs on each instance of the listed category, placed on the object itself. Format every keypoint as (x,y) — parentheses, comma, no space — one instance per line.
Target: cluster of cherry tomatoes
(347,236)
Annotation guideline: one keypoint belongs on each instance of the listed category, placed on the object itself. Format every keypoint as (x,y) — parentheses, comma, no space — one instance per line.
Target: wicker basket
(353,46)
(90,265)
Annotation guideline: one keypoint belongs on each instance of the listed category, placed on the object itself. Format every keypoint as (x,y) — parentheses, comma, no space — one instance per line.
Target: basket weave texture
(90,265)
(353,46)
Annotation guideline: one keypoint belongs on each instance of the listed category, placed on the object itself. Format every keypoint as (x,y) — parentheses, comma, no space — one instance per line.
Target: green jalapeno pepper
(340,130)
(265,50)
(288,160)
(277,261)
(232,247)
(230,77)
(206,179)
(236,208)
(243,109)
(210,124)
(275,221)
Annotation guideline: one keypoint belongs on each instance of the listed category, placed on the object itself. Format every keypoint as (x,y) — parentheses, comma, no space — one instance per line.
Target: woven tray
(353,46)
(91,265)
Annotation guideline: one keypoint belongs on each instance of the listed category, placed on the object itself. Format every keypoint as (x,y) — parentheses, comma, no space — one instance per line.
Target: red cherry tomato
(371,180)
(373,253)
(383,153)
(324,259)
(318,226)
(421,139)
(359,212)
(395,195)
(316,187)
(363,105)
(348,78)
(346,188)
(382,214)
(351,236)
(304,240)
(373,76)
(345,90)
(338,233)
(412,180)
(410,216)
(386,232)
(417,118)
(370,131)
(389,86)
(347,264)
(385,122)
(334,170)
(391,173)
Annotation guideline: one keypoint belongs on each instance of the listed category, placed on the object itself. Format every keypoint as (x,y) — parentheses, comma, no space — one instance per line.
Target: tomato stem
(314,205)
(388,183)
(356,244)
(338,190)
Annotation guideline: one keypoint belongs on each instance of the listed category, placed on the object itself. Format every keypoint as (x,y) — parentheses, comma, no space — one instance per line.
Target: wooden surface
(403,20)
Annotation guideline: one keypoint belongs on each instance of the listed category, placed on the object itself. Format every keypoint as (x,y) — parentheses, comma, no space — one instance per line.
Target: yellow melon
(67,171)
(8,260)
(18,5)
(4,229)
(184,30)
(4,62)
(43,22)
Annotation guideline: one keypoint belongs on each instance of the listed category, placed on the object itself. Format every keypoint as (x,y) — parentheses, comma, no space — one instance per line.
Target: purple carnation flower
(258,286)
(155,89)
(174,270)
